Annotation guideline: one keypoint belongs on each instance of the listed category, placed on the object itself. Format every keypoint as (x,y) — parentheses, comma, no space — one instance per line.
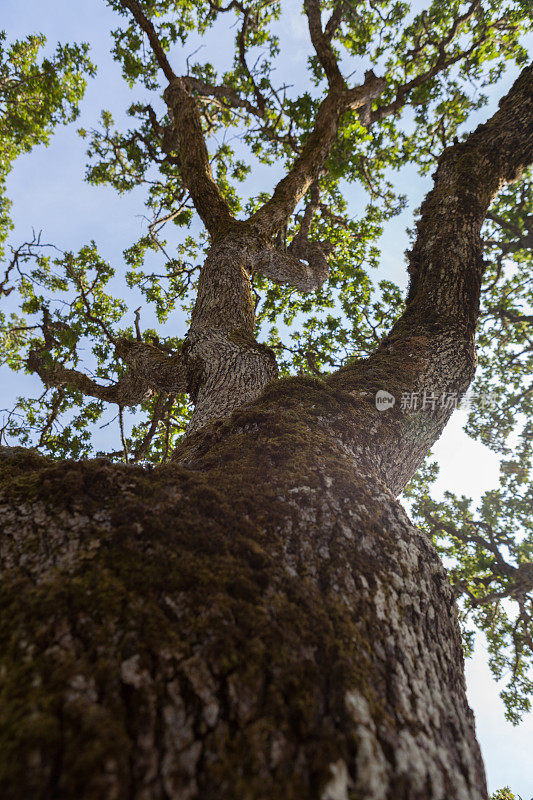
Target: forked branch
(443,61)
(322,43)
(147,26)
(187,136)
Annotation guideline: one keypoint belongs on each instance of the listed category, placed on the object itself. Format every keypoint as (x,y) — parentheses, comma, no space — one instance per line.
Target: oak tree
(233,602)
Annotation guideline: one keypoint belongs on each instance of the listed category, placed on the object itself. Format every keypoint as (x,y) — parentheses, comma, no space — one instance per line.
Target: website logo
(384,400)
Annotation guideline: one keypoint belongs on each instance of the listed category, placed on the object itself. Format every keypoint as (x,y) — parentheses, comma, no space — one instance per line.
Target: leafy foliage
(34,98)
(504,794)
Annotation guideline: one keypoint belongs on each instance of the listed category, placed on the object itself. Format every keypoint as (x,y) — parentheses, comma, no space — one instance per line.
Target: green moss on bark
(180,565)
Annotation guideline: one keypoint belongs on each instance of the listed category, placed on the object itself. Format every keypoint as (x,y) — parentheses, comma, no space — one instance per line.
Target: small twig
(137,324)
(122,436)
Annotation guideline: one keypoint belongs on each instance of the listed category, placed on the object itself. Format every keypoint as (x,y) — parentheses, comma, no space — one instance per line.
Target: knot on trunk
(291,267)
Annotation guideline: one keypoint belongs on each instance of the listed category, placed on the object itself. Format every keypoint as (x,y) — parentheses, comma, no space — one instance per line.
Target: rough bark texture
(265,625)
(149,370)
(260,619)
(226,366)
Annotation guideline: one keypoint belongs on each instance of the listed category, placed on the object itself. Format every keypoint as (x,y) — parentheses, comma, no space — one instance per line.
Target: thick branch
(429,353)
(241,43)
(127,391)
(194,159)
(146,25)
(159,370)
(333,22)
(187,135)
(322,45)
(514,317)
(149,370)
(222,93)
(468,178)
(275,212)
(503,223)
(289,268)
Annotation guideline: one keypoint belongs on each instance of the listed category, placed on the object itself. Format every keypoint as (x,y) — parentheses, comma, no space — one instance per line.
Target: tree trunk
(264,624)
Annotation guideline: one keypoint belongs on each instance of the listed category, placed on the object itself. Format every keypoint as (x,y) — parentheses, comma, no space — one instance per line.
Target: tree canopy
(387,86)
(34,98)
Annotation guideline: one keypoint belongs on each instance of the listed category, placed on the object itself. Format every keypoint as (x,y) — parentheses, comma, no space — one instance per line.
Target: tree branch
(187,136)
(430,350)
(322,43)
(144,444)
(442,63)
(127,391)
(149,370)
(333,22)
(226,93)
(513,316)
(241,44)
(503,223)
(194,160)
(289,268)
(146,25)
(306,168)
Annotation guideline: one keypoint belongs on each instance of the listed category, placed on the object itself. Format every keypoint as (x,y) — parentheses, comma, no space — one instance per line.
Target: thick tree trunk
(264,624)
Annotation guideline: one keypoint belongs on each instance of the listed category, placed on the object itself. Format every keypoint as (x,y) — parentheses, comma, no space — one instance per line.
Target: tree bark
(266,623)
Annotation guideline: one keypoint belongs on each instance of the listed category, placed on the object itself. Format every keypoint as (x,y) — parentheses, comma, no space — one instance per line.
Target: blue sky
(48,192)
